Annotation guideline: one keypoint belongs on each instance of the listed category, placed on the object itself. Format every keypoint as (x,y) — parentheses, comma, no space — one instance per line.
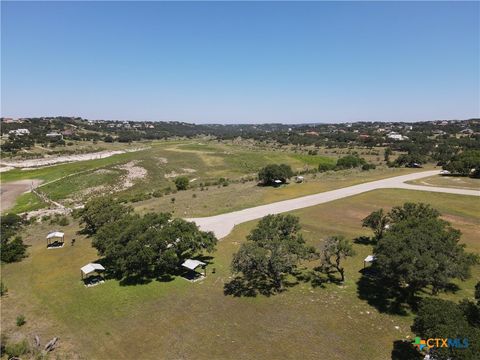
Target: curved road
(223,224)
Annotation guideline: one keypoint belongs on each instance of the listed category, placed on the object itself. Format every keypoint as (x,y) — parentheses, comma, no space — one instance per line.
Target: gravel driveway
(223,224)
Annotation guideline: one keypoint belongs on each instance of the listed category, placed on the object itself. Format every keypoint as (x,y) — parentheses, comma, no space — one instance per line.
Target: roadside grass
(179,319)
(460,182)
(218,199)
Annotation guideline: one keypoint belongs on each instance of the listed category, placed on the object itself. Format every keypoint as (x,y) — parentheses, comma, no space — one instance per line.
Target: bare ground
(10,191)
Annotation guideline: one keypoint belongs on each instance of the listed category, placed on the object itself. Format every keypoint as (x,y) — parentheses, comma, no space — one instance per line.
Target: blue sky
(231,62)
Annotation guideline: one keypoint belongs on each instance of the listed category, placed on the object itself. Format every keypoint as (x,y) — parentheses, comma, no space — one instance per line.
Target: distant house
(54,135)
(396,136)
(19,132)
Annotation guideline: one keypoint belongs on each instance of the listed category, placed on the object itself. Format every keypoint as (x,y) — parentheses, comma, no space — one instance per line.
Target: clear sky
(231,62)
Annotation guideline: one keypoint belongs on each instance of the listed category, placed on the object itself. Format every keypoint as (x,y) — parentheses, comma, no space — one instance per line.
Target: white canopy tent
(368,259)
(193,264)
(91,268)
(54,235)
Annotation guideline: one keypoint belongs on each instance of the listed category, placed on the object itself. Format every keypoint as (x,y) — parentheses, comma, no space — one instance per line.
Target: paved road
(223,224)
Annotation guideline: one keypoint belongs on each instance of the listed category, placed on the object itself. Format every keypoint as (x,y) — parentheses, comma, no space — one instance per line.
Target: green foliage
(12,247)
(16,350)
(387,153)
(406,159)
(20,320)
(273,250)
(273,172)
(466,163)
(421,250)
(477,292)
(334,250)
(150,245)
(182,182)
(376,221)
(3,289)
(367,167)
(58,219)
(326,167)
(438,318)
(350,161)
(101,211)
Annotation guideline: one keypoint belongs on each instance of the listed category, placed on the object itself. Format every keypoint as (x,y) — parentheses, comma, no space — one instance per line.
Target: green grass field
(178,319)
(460,182)
(201,160)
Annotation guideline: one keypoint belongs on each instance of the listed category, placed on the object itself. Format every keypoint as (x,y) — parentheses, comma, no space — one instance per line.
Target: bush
(58,219)
(13,250)
(367,167)
(157,193)
(17,350)
(326,167)
(224,182)
(350,161)
(181,183)
(21,320)
(3,289)
(273,172)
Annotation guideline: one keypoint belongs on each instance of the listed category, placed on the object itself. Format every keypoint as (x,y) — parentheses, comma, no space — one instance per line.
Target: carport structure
(52,241)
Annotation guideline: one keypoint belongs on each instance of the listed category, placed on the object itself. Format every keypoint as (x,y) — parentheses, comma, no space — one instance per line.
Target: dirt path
(223,224)
(36,163)
(10,191)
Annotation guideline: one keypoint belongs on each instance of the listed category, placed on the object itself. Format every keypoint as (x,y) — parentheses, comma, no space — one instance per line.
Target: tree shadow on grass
(364,240)
(404,350)
(241,286)
(135,280)
(379,293)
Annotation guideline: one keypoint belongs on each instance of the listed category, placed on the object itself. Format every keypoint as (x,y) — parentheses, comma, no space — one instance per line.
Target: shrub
(157,193)
(18,349)
(326,167)
(3,289)
(224,182)
(181,183)
(273,172)
(21,320)
(13,250)
(350,161)
(367,167)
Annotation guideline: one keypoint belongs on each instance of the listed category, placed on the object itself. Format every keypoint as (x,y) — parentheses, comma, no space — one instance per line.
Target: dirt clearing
(10,191)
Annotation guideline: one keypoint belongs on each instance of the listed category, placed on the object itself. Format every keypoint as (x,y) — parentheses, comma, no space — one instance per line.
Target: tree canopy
(438,318)
(377,221)
(421,250)
(182,182)
(100,211)
(12,246)
(273,172)
(465,163)
(350,161)
(335,249)
(273,250)
(151,245)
